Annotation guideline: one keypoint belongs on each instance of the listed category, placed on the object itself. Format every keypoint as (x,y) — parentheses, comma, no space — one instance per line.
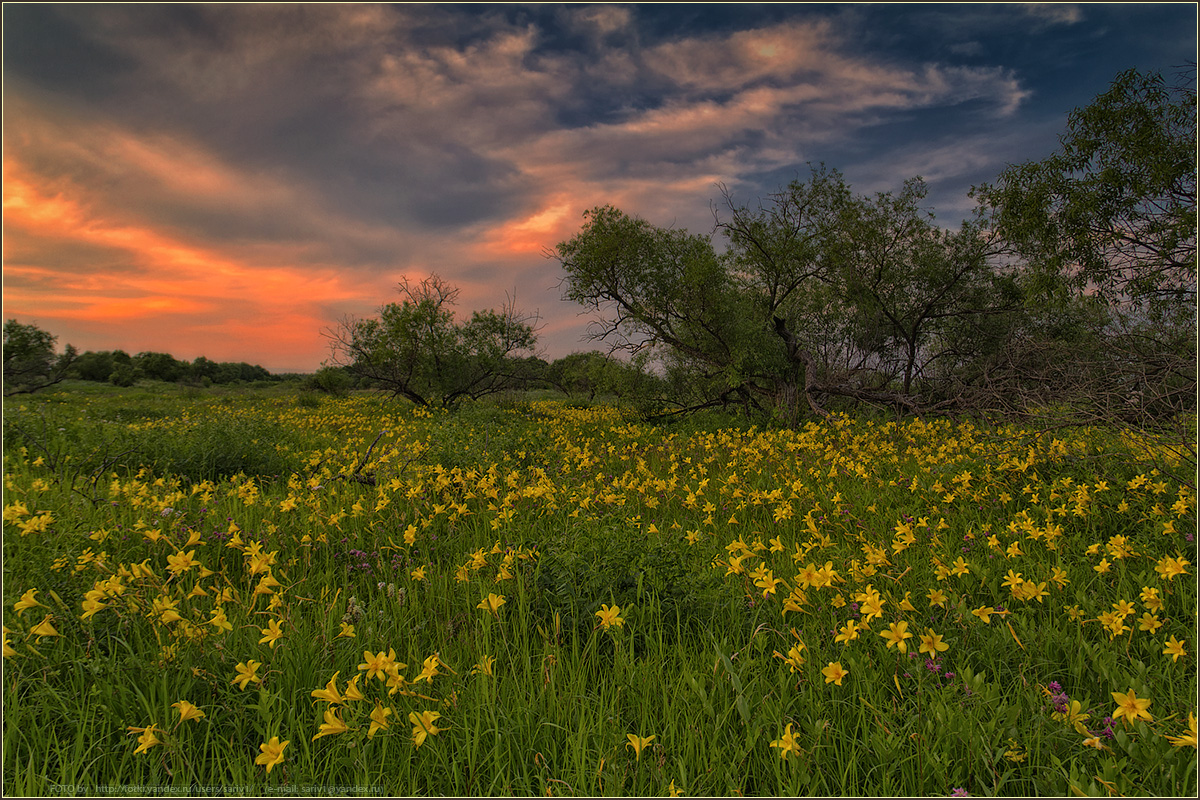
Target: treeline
(1071,291)
(32,362)
(122,369)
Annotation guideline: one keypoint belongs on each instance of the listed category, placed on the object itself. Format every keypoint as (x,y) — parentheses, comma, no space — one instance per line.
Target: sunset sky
(228,180)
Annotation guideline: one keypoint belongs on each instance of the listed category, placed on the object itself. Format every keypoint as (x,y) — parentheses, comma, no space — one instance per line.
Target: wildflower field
(265,593)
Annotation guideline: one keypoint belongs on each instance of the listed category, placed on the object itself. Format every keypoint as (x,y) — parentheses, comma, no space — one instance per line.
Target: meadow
(261,592)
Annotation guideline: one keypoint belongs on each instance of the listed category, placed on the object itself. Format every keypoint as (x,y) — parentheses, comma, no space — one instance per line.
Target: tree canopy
(1114,209)
(30,360)
(416,349)
(818,294)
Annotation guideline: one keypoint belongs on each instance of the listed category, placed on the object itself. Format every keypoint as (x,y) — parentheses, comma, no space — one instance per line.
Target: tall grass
(163,538)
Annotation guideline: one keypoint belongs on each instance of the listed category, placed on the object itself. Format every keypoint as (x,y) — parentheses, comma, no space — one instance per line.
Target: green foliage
(123,375)
(819,295)
(416,349)
(549,506)
(582,568)
(30,362)
(330,380)
(1115,207)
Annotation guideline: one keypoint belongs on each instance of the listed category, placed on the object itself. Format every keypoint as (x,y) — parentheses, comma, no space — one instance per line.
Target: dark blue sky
(226,180)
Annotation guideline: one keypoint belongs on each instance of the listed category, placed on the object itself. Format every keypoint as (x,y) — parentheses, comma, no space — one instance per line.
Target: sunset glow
(233,182)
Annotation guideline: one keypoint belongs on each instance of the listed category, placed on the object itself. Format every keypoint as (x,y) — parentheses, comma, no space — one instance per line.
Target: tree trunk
(799,358)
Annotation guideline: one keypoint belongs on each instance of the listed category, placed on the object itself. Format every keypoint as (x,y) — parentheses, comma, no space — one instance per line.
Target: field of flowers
(271,594)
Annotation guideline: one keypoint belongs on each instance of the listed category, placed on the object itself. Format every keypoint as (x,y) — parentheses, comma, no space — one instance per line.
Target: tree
(1114,209)
(93,366)
(819,295)
(30,362)
(416,349)
(920,294)
(595,373)
(161,366)
(1105,230)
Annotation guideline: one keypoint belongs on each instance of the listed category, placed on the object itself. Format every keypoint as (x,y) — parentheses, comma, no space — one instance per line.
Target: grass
(156,540)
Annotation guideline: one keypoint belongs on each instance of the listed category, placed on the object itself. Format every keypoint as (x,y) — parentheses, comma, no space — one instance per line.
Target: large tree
(1113,211)
(819,294)
(416,349)
(1103,232)
(30,360)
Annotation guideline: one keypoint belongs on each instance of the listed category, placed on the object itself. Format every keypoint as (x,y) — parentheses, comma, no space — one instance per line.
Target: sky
(230,181)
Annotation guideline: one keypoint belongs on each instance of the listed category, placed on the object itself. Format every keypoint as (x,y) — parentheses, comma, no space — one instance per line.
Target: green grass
(401,523)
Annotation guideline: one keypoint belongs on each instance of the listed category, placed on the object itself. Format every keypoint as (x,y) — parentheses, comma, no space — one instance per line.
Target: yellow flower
(271,633)
(984,613)
(44,628)
(91,607)
(637,743)
(1131,706)
(272,752)
(1150,599)
(1059,577)
(834,673)
(266,584)
(181,562)
(896,633)
(610,616)
(418,574)
(1188,737)
(1174,649)
(187,711)
(376,665)
(1169,567)
(27,600)
(147,739)
(1074,716)
(484,667)
(936,598)
(347,631)
(247,672)
(492,604)
(378,718)
(1149,623)
(423,725)
(848,633)
(330,693)
(353,693)
(429,669)
(932,643)
(786,743)
(795,656)
(332,725)
(1102,567)
(219,621)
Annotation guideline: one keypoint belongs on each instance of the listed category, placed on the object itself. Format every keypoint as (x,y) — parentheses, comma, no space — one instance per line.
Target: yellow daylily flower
(272,752)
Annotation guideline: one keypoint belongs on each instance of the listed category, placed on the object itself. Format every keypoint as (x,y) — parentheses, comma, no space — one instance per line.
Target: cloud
(286,164)
(1053,13)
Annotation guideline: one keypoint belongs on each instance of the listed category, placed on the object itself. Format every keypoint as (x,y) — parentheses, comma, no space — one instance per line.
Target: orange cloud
(169,293)
(533,234)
